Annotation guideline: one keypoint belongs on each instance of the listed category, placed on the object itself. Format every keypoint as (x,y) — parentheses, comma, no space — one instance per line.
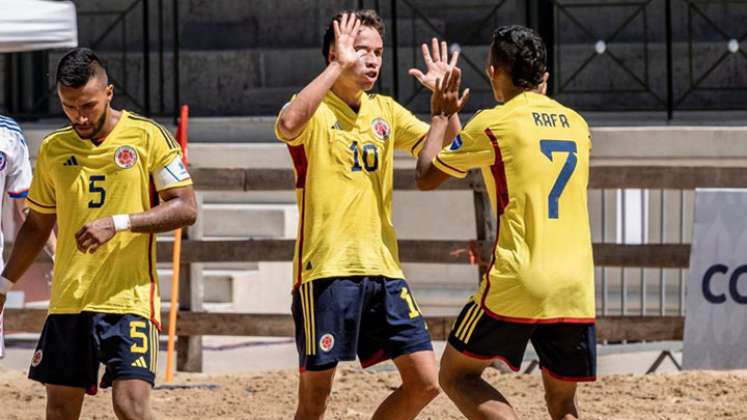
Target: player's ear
(331,55)
(109,92)
(491,72)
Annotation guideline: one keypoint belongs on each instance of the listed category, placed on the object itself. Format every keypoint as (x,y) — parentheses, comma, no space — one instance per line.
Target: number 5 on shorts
(566,146)
(414,310)
(138,335)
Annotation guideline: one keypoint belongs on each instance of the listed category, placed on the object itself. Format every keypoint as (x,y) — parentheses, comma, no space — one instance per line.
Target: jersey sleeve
(409,132)
(308,132)
(165,160)
(41,196)
(470,149)
(18,180)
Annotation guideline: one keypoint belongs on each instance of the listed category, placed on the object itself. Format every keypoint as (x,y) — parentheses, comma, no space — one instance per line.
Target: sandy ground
(271,395)
(257,378)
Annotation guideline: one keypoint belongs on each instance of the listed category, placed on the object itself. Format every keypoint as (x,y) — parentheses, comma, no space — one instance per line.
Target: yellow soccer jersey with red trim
(344,166)
(534,157)
(80,181)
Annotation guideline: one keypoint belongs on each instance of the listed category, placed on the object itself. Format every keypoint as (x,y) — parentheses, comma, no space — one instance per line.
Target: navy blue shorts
(375,318)
(566,351)
(71,347)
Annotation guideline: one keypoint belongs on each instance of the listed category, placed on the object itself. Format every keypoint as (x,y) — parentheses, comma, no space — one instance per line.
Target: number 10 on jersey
(369,155)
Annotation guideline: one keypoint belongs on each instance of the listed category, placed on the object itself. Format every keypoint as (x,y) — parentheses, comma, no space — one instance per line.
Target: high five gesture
(437,64)
(345,33)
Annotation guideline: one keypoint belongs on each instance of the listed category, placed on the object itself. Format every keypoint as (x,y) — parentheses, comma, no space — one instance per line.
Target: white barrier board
(716,311)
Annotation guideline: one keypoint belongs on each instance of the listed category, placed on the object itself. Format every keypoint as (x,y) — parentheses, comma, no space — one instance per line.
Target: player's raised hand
(446,99)
(95,234)
(345,32)
(437,64)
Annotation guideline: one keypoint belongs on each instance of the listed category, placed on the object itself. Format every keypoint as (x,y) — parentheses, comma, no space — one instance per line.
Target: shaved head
(78,66)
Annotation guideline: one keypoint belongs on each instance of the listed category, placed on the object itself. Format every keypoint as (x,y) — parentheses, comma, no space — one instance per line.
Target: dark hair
(78,66)
(521,51)
(368,17)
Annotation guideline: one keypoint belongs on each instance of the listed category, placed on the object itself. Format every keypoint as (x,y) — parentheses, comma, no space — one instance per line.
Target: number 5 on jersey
(93,188)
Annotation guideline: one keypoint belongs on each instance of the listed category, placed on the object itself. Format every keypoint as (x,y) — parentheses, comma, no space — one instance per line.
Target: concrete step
(249,220)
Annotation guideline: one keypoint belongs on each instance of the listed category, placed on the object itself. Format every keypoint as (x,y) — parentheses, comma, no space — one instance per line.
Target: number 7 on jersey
(560,146)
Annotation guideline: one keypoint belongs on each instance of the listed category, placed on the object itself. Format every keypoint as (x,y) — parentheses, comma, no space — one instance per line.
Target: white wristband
(5,285)
(121,222)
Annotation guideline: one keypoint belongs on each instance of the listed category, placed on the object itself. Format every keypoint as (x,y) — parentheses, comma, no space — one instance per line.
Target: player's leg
(326,313)
(567,354)
(461,379)
(393,328)
(314,388)
(65,362)
(131,399)
(475,341)
(419,386)
(560,397)
(64,402)
(128,347)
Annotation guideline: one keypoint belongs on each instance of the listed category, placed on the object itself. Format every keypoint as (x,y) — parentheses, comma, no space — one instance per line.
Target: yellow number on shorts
(135,335)
(414,310)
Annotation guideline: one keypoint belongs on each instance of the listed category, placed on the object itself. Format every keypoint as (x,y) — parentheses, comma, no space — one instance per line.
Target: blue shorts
(566,351)
(373,317)
(71,347)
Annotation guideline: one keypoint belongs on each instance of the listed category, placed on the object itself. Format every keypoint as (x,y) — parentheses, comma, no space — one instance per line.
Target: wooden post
(191,293)
(485,223)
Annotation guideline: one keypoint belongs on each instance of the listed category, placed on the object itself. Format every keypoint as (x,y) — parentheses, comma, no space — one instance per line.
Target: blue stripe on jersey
(19,194)
(11,127)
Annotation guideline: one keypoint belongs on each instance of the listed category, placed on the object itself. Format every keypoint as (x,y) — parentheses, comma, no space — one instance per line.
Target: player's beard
(99,125)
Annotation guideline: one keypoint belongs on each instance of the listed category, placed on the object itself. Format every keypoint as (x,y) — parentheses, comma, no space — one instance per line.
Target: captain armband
(171,174)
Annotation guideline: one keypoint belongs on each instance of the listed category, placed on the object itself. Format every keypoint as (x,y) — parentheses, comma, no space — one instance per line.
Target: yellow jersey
(344,167)
(81,181)
(534,157)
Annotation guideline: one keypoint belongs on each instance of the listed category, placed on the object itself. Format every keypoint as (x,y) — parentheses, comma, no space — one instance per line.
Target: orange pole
(181,136)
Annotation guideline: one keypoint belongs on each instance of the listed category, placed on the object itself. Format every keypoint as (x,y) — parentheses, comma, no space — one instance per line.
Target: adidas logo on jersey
(71,162)
(139,362)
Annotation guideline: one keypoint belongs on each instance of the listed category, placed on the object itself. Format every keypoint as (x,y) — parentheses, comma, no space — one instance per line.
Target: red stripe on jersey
(301,164)
(570,378)
(498,170)
(457,170)
(518,320)
(153,195)
(152,284)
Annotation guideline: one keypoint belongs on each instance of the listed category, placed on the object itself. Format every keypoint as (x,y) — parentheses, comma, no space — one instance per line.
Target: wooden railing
(192,324)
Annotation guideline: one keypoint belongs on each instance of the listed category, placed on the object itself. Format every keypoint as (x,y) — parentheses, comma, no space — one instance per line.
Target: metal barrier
(126,46)
(626,55)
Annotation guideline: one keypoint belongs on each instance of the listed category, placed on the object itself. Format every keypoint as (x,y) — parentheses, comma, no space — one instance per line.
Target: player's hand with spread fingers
(446,100)
(345,33)
(95,234)
(437,64)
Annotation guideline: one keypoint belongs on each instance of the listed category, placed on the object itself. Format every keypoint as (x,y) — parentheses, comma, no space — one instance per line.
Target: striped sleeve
(470,149)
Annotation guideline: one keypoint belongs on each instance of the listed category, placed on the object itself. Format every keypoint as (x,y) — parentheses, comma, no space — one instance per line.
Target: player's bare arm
(438,64)
(22,211)
(29,242)
(178,208)
(445,102)
(294,117)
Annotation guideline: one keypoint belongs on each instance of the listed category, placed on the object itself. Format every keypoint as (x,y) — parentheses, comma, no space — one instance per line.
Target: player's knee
(559,400)
(58,409)
(315,396)
(130,407)
(448,379)
(424,389)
